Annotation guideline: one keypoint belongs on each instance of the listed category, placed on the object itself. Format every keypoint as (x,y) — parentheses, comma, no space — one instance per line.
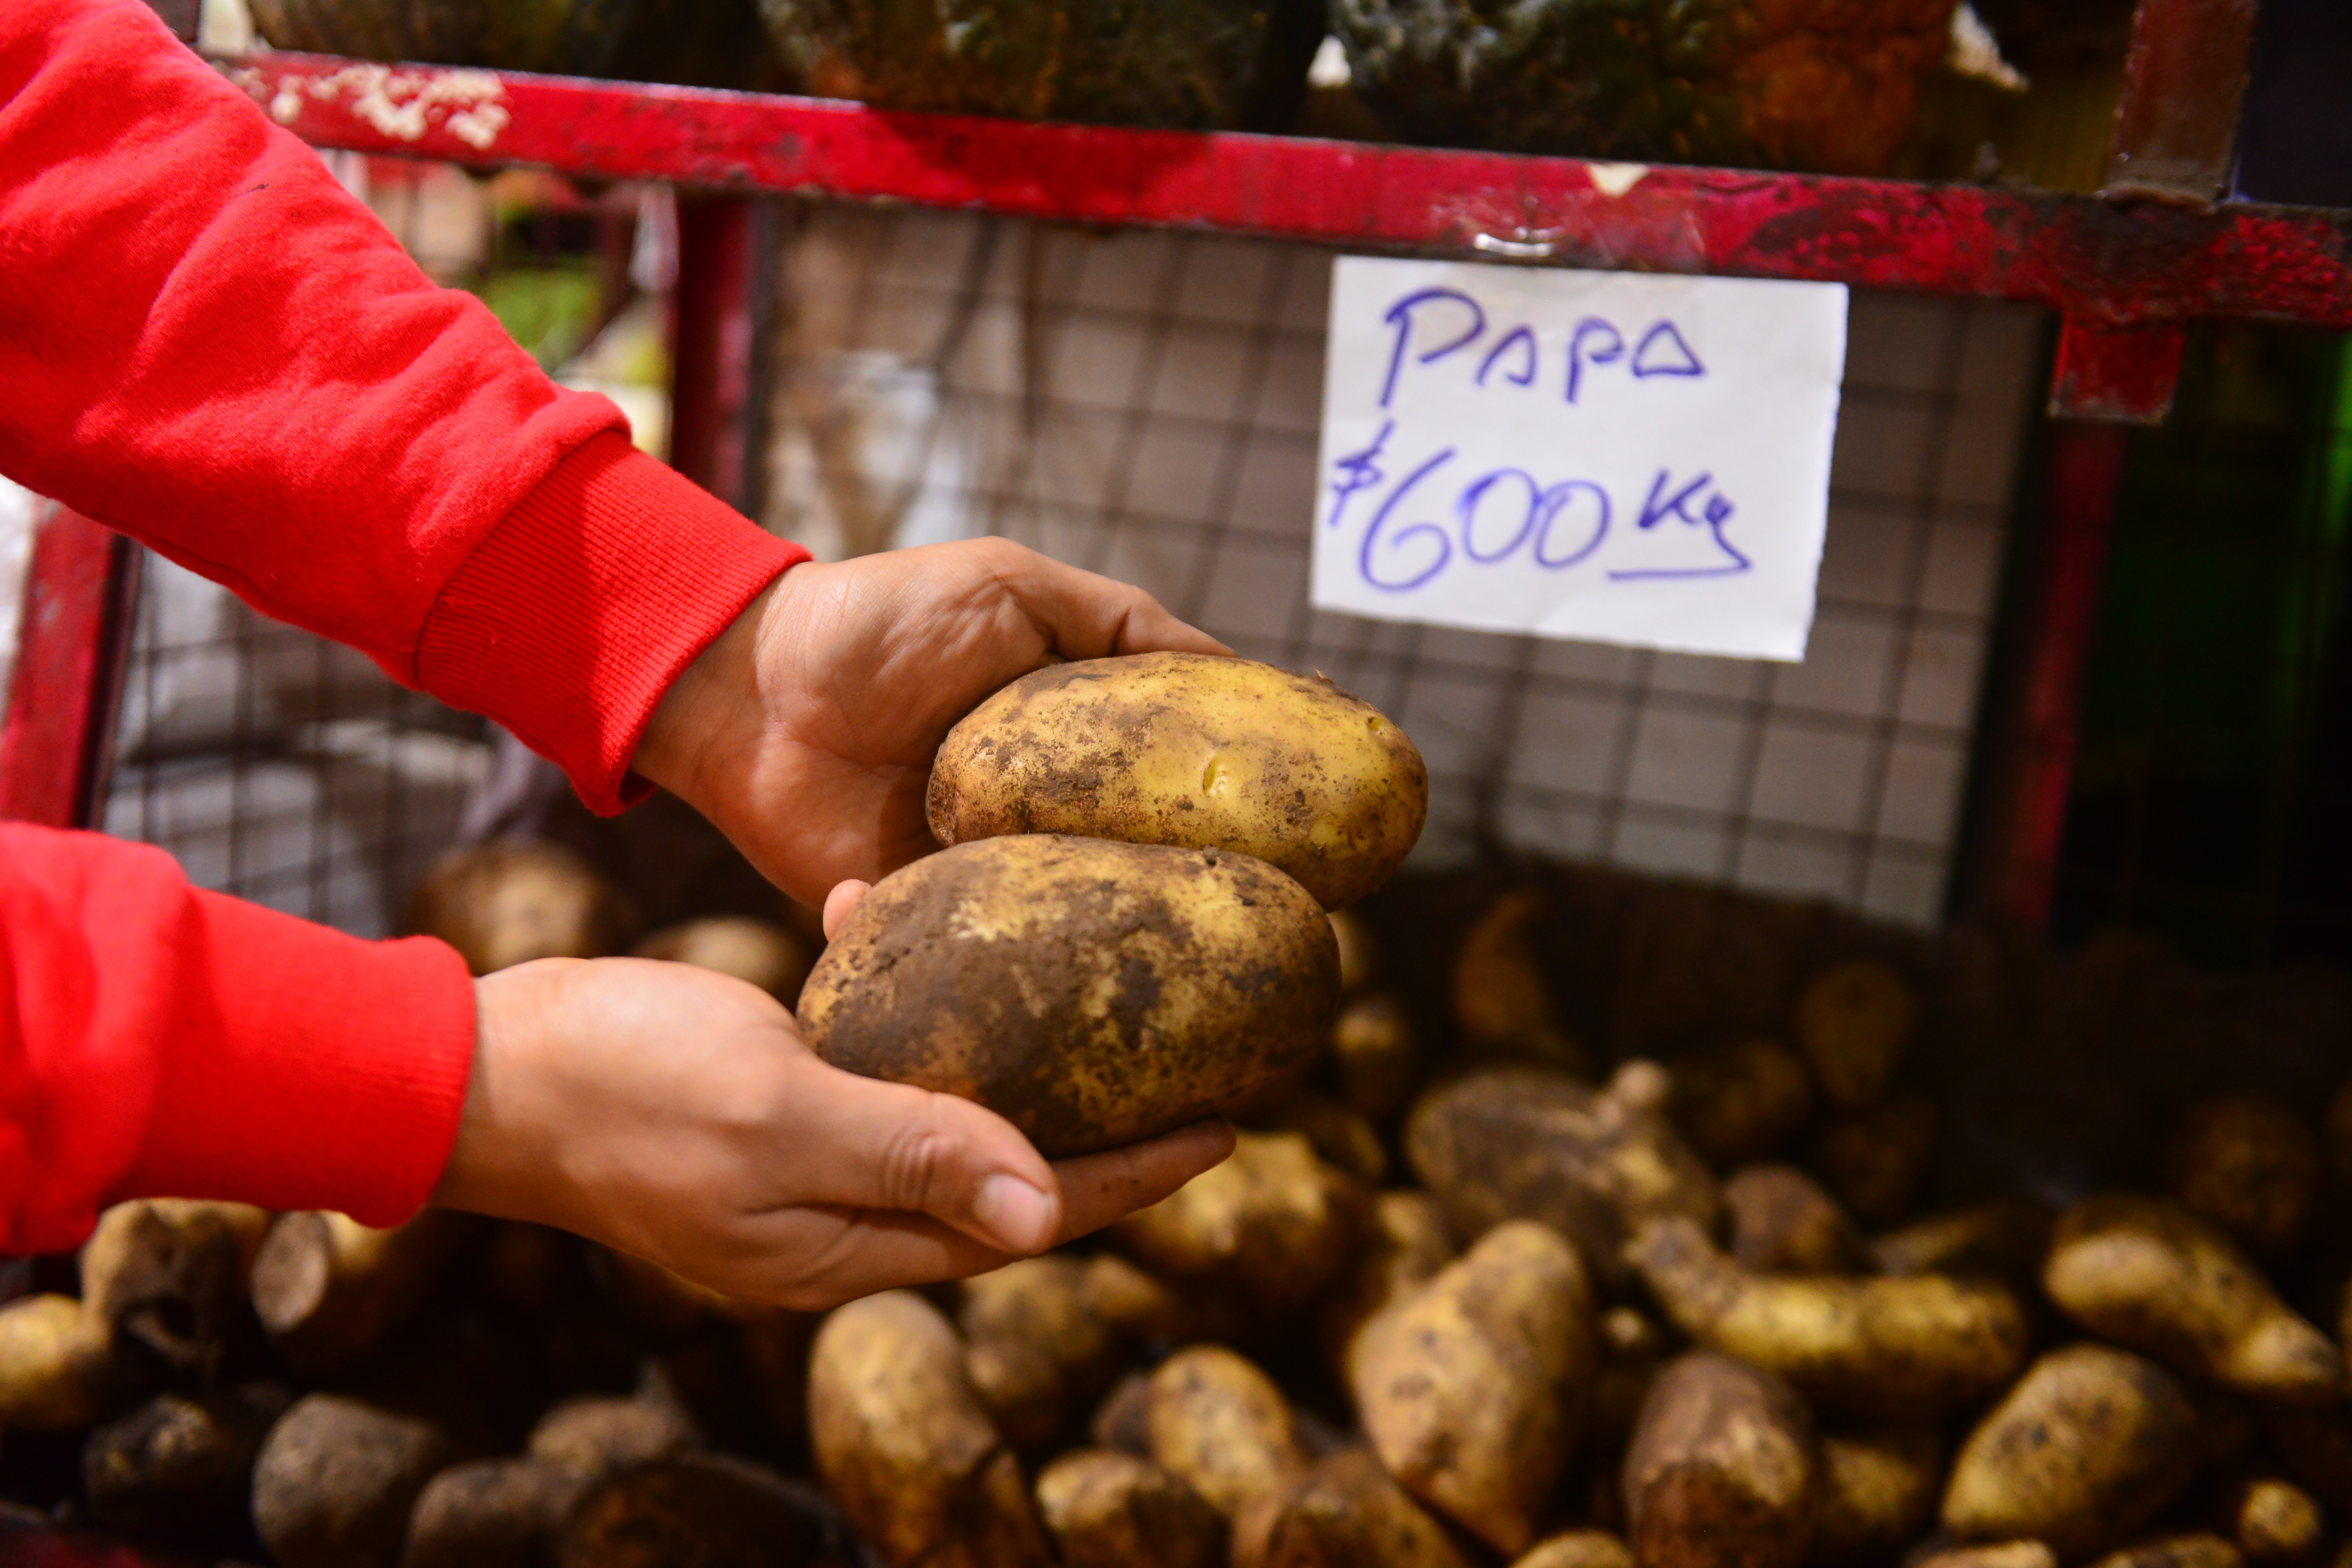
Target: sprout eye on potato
(1189,749)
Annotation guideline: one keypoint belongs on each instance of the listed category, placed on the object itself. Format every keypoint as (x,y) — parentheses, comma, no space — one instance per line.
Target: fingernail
(1014,1212)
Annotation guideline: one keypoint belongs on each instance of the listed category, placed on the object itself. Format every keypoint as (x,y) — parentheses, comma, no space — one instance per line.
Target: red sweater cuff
(572,617)
(330,1074)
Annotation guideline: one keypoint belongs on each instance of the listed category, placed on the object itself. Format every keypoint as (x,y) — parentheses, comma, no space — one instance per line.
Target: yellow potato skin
(1189,750)
(1092,992)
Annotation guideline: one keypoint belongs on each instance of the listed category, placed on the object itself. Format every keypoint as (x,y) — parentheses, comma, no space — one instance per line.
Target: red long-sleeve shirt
(206,342)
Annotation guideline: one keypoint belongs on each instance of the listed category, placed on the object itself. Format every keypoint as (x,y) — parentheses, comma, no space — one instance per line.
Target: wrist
(499,1152)
(711,712)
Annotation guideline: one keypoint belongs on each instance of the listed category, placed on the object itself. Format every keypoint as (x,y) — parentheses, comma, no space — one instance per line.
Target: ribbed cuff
(575,613)
(331,1075)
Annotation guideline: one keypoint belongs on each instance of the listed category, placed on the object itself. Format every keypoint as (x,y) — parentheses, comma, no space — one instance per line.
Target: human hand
(806,732)
(675,1114)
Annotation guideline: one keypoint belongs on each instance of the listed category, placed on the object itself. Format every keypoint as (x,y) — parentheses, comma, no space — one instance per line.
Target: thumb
(878,1145)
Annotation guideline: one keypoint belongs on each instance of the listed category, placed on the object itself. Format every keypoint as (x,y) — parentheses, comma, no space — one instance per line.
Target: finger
(840,901)
(1084,615)
(877,1145)
(865,1250)
(1100,1188)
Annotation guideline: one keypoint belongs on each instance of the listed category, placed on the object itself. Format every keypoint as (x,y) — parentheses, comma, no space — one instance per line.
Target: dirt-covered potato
(1022,1387)
(1724,1471)
(1872,1160)
(2091,1445)
(2251,1167)
(1110,1510)
(1220,1424)
(1474,1387)
(336,1478)
(1889,1349)
(1877,1489)
(504,903)
(2002,1239)
(1359,953)
(1782,1222)
(2197,1549)
(2272,1521)
(1344,1511)
(1144,1307)
(1988,1554)
(177,1472)
(491,1514)
(1340,1137)
(903,1446)
(169,1275)
(757,952)
(1037,1352)
(1741,1100)
(1578,1549)
(714,1510)
(1501,1001)
(1853,1024)
(1373,1055)
(1188,750)
(1404,1244)
(56,1363)
(596,1434)
(330,1290)
(2145,1273)
(1525,1142)
(1273,1222)
(1092,993)
(1122,1422)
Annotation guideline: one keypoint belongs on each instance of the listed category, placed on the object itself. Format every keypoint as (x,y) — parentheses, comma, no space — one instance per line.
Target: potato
(1740,1100)
(1273,1222)
(1373,1055)
(1188,750)
(1877,1489)
(1853,1024)
(1502,1003)
(1108,1509)
(1994,1554)
(2003,1239)
(177,1472)
(1884,1349)
(1474,1387)
(757,952)
(336,1478)
(1221,1426)
(2249,1165)
(1022,1389)
(503,903)
(1092,993)
(1142,1306)
(1360,951)
(1404,1244)
(1724,1471)
(169,1275)
(1526,1142)
(1872,1160)
(1340,1137)
(1782,1222)
(903,1444)
(1345,1511)
(596,1434)
(56,1363)
(2196,1551)
(491,1514)
(1122,1422)
(1037,1353)
(2145,1273)
(330,1290)
(711,1511)
(1578,1549)
(2090,1443)
(2274,1521)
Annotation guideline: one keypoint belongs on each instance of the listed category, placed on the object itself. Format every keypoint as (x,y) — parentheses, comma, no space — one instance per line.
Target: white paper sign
(1611,457)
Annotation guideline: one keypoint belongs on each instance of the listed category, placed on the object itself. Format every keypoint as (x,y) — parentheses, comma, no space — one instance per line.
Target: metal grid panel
(1145,403)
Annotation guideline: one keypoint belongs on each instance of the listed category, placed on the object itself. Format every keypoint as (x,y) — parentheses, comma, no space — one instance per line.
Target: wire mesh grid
(1146,405)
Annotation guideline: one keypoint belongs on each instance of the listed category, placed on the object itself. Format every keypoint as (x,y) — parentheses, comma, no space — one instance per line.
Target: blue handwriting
(1433,324)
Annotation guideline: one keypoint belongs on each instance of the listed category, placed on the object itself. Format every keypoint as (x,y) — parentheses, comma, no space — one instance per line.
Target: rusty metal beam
(2184,83)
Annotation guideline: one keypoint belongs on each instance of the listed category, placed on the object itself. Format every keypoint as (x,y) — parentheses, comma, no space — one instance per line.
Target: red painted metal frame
(60,716)
(2095,261)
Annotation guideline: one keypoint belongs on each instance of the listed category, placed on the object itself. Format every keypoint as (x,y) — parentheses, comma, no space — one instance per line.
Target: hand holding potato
(806,732)
(673,1114)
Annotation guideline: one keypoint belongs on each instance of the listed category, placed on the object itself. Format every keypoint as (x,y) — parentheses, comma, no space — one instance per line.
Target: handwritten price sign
(1604,455)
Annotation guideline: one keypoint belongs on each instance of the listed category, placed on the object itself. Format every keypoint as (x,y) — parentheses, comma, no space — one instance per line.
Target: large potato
(1274,1223)
(1724,1471)
(1092,992)
(1184,748)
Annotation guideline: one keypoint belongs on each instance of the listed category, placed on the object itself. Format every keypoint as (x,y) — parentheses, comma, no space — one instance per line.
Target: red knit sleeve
(157,1040)
(207,343)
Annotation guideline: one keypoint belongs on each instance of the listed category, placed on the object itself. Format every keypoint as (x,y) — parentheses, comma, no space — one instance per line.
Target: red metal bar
(2036,742)
(710,358)
(2115,374)
(60,708)
(2093,260)
(2184,81)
